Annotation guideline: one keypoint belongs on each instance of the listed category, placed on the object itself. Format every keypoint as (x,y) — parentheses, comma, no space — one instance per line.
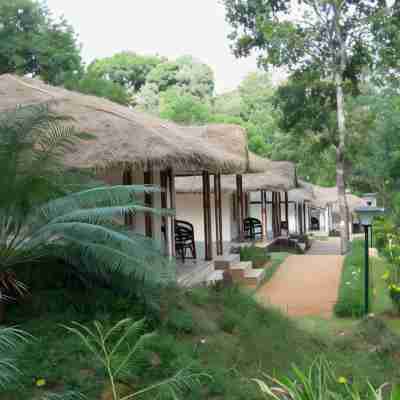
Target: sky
(170,28)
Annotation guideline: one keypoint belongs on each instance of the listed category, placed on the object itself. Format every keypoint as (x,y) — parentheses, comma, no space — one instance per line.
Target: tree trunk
(341,124)
(340,178)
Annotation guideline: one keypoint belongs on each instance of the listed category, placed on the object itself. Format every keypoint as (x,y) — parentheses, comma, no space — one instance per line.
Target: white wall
(189,207)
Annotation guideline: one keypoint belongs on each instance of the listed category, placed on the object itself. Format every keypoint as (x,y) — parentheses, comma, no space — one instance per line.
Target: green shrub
(394,292)
(350,302)
(180,321)
(228,321)
(257,255)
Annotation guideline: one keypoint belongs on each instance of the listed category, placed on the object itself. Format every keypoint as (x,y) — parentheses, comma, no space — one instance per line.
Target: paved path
(330,246)
(306,284)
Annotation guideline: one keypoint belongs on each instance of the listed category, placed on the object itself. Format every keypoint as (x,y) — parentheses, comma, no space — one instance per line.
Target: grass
(257,255)
(350,301)
(223,333)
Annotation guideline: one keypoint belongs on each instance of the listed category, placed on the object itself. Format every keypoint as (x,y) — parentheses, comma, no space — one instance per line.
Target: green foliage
(257,255)
(378,161)
(10,340)
(251,106)
(31,41)
(233,339)
(311,42)
(389,239)
(127,69)
(98,86)
(320,382)
(116,355)
(183,108)
(185,76)
(180,321)
(350,301)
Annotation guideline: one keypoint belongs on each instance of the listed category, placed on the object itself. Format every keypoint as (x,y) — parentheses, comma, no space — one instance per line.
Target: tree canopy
(126,68)
(330,41)
(32,41)
(186,74)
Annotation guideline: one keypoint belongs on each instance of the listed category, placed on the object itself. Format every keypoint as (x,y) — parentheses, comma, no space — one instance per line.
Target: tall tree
(256,92)
(186,74)
(251,106)
(333,38)
(183,107)
(376,164)
(31,41)
(128,69)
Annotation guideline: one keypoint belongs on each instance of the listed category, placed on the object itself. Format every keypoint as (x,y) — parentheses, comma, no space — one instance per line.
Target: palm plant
(116,349)
(10,339)
(40,215)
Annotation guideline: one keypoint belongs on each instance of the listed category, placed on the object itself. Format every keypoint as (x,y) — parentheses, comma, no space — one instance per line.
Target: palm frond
(10,339)
(39,215)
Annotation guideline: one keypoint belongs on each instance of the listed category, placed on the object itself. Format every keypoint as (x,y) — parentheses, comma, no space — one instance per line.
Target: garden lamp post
(366,216)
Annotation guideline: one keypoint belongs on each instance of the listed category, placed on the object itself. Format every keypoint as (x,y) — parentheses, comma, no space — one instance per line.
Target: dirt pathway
(306,284)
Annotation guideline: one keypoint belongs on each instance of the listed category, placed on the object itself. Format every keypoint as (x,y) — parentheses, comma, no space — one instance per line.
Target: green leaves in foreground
(117,347)
(320,382)
(10,339)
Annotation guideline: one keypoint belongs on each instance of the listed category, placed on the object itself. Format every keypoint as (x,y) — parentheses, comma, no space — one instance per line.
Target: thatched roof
(128,137)
(279,176)
(324,196)
(304,192)
(353,202)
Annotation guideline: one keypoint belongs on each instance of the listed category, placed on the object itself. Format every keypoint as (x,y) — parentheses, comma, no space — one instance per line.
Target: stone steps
(196,277)
(238,271)
(214,277)
(254,276)
(225,262)
(241,272)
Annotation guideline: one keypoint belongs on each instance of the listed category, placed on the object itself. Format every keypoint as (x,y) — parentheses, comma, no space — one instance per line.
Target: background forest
(289,122)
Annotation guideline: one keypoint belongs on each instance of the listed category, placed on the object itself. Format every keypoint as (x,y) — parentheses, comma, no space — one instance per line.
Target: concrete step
(214,277)
(254,277)
(226,261)
(238,271)
(196,277)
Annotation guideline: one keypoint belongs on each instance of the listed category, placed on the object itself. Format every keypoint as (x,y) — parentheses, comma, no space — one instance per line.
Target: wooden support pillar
(164,204)
(246,204)
(218,214)
(279,200)
(172,204)
(273,222)
(296,217)
(149,202)
(207,216)
(127,180)
(299,212)
(304,218)
(264,213)
(274,215)
(287,211)
(239,201)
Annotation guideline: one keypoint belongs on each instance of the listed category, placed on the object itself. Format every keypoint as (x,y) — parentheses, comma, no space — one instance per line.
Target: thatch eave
(125,137)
